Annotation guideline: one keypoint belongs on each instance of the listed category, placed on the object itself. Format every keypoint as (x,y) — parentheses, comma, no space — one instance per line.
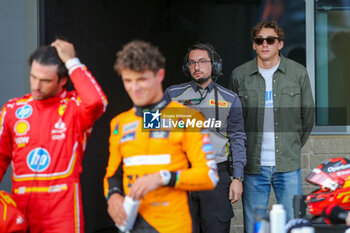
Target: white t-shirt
(268,140)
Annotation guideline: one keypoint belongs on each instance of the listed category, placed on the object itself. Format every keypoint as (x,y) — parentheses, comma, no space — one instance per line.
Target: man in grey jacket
(278,111)
(212,210)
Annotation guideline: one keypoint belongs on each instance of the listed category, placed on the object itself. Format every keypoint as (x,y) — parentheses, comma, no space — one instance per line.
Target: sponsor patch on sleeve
(206,139)
(207,148)
(204,131)
(210,156)
(212,165)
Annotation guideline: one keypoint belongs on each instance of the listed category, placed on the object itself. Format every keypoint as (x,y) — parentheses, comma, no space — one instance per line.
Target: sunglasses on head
(269,40)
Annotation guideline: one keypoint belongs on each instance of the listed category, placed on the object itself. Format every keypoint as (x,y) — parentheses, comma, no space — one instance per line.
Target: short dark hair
(47,55)
(268,24)
(139,56)
(201,45)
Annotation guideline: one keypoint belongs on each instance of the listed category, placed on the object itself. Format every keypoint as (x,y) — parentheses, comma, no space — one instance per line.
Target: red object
(11,219)
(45,141)
(333,179)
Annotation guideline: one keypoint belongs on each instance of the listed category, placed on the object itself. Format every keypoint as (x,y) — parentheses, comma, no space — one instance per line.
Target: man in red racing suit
(44,134)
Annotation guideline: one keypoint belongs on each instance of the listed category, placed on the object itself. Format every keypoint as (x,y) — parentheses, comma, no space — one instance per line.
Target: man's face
(265,51)
(199,64)
(144,88)
(44,81)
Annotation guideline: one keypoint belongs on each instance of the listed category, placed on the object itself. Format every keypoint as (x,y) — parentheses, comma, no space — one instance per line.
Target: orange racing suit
(45,140)
(140,151)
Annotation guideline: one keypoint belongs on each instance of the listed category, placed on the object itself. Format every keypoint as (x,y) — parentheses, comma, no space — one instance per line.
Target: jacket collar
(195,86)
(52,100)
(253,65)
(152,108)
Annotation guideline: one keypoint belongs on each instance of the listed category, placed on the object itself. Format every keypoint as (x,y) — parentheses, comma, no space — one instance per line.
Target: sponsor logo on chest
(130,127)
(58,132)
(38,159)
(21,127)
(128,137)
(22,141)
(222,104)
(24,112)
(62,109)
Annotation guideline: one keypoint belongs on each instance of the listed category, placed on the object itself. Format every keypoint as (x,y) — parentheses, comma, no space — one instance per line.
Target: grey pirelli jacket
(229,113)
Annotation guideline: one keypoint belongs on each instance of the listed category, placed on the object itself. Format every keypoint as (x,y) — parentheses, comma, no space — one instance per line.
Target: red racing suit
(45,140)
(141,152)
(11,219)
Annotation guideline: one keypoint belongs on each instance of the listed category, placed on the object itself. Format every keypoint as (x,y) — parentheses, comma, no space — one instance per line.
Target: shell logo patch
(21,127)
(24,112)
(62,109)
(38,159)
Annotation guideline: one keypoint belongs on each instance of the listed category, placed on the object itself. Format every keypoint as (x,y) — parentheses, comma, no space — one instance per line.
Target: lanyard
(195,101)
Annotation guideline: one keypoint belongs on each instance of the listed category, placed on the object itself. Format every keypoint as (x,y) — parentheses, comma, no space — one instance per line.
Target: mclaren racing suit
(139,151)
(45,140)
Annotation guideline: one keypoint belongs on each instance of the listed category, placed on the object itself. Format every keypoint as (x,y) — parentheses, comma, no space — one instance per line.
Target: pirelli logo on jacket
(222,104)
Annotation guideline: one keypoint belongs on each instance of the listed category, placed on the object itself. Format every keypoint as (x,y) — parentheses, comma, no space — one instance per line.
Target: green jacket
(293,108)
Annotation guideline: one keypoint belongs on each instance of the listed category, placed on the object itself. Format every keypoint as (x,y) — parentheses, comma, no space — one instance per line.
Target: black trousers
(141,226)
(212,211)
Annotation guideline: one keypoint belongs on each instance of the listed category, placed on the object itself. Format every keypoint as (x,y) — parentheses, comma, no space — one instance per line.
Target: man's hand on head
(65,50)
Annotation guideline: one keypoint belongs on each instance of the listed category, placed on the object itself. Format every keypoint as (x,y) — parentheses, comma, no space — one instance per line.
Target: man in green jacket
(278,110)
